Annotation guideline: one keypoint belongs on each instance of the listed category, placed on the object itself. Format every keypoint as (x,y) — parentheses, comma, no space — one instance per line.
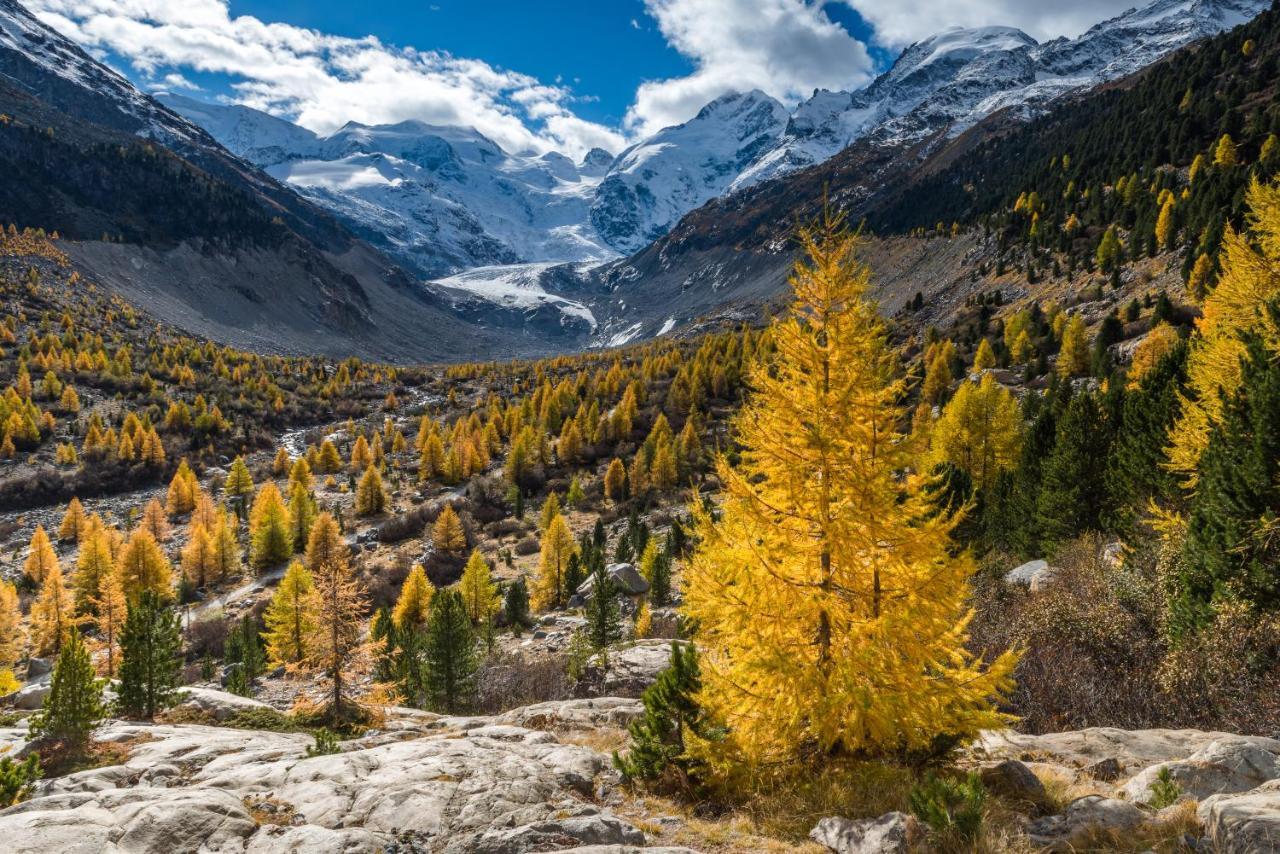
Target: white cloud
(323,81)
(786,48)
(902,22)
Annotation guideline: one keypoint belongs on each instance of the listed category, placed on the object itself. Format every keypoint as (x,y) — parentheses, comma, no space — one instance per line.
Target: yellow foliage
(831,611)
(979,431)
(1150,351)
(413,607)
(447,533)
(1250,278)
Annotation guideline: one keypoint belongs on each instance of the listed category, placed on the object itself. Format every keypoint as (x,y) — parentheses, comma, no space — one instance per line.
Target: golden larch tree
(558,546)
(831,609)
(41,558)
(111,608)
(143,566)
(979,431)
(413,607)
(52,614)
(479,593)
(447,534)
(340,606)
(291,617)
(1250,277)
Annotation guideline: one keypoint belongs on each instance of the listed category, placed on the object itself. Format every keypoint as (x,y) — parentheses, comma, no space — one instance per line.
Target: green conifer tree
(73,707)
(150,646)
(450,652)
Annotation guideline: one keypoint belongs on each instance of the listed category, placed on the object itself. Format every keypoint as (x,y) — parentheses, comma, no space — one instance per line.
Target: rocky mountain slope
(157,209)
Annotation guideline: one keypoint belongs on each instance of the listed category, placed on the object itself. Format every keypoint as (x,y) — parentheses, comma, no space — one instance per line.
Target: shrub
(326,744)
(1165,791)
(17,778)
(950,808)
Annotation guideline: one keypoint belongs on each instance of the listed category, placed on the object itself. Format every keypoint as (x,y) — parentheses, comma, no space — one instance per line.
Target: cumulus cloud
(322,81)
(902,22)
(786,48)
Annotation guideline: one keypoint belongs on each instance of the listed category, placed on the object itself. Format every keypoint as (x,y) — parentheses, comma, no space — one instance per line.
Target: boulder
(28,698)
(634,668)
(1107,770)
(1224,766)
(626,578)
(1034,575)
(1113,555)
(891,833)
(1131,748)
(1013,779)
(1243,823)
(1083,817)
(219,705)
(38,667)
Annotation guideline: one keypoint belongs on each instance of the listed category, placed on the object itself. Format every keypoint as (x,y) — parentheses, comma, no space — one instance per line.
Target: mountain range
(409,228)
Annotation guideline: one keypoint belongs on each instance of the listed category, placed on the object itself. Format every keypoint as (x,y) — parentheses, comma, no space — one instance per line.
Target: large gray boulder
(626,579)
(891,833)
(219,705)
(1034,575)
(1243,823)
(635,667)
(1224,766)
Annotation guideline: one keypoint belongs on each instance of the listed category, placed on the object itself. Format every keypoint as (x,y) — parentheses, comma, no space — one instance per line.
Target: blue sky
(533,76)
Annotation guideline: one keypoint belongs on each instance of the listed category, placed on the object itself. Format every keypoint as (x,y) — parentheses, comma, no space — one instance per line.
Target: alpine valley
(409,227)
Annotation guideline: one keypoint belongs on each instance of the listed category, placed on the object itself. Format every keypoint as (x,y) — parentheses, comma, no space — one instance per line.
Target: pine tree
(450,652)
(143,566)
(150,646)
(1229,551)
(41,557)
(655,566)
(515,605)
(447,534)
(557,547)
(979,431)
(271,541)
(52,614)
(290,617)
(413,607)
(831,608)
(479,593)
(371,496)
(73,707)
(672,716)
(1073,491)
(339,609)
(244,651)
(604,619)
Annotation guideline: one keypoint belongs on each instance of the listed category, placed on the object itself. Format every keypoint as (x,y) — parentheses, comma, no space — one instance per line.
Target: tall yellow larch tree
(1073,356)
(1250,277)
(291,617)
(41,558)
(239,484)
(226,546)
(199,559)
(831,609)
(979,431)
(615,481)
(371,495)
(143,566)
(413,606)
(300,474)
(156,520)
(447,534)
(329,460)
(13,637)
(361,456)
(270,540)
(72,521)
(182,490)
(93,562)
(52,614)
(1164,225)
(339,610)
(479,593)
(110,607)
(985,358)
(1159,341)
(302,513)
(558,546)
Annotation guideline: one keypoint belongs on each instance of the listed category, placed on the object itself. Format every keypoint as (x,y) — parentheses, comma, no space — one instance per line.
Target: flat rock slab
(1243,823)
(490,786)
(1224,766)
(1131,748)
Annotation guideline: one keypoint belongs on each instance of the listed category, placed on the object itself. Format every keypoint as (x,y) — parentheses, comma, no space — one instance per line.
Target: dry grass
(600,740)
